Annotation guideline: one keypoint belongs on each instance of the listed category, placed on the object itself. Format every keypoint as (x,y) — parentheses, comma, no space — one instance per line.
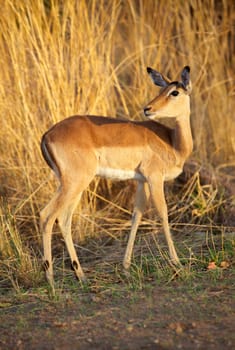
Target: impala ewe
(81,147)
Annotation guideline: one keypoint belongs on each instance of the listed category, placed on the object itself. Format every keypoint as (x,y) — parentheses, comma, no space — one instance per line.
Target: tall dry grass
(59,58)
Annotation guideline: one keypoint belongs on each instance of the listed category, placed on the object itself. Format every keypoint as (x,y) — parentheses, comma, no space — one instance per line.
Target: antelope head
(173,100)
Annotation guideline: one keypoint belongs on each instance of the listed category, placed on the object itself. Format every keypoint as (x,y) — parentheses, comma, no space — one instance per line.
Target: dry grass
(59,58)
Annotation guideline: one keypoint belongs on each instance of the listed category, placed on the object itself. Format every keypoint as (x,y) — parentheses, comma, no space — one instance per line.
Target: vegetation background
(60,58)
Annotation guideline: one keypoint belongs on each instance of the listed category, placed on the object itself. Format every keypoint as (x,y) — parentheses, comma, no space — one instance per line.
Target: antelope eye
(174,93)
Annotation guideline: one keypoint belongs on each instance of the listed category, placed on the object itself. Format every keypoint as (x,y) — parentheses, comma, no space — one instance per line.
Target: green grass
(148,270)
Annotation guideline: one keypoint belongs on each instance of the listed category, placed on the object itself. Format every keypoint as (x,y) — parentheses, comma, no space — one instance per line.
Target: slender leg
(157,191)
(65,220)
(47,218)
(142,196)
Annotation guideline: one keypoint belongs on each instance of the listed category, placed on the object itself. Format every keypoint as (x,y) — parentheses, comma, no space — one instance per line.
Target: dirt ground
(199,314)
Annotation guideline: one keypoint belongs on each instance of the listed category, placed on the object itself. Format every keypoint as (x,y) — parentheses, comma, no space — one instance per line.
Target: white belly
(119,174)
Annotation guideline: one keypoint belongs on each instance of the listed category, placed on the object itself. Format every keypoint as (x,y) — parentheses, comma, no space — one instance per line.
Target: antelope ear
(158,78)
(185,76)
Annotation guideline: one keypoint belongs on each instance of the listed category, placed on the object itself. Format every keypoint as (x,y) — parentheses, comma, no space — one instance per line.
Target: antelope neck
(182,138)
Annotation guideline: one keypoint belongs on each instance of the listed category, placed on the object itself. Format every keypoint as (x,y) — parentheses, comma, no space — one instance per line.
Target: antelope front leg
(142,196)
(157,191)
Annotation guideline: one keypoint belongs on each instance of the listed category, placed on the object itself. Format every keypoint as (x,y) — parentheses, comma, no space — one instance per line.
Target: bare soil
(196,314)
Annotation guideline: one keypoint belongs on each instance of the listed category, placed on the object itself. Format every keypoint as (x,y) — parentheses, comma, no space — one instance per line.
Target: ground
(195,314)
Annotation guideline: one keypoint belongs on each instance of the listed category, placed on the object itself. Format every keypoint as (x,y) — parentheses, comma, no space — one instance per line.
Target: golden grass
(59,58)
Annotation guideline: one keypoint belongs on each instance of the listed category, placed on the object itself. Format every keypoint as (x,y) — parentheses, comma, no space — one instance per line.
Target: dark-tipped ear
(185,76)
(158,78)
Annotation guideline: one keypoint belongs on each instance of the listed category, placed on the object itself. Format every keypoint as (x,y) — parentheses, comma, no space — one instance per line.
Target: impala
(81,147)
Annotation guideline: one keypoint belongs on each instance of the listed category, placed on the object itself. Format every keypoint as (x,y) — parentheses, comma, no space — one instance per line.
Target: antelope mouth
(147,112)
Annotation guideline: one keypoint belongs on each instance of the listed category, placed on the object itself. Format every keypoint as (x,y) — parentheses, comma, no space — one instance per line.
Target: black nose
(146,109)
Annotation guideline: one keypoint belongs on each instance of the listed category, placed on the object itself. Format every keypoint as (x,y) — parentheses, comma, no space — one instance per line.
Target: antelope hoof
(126,265)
